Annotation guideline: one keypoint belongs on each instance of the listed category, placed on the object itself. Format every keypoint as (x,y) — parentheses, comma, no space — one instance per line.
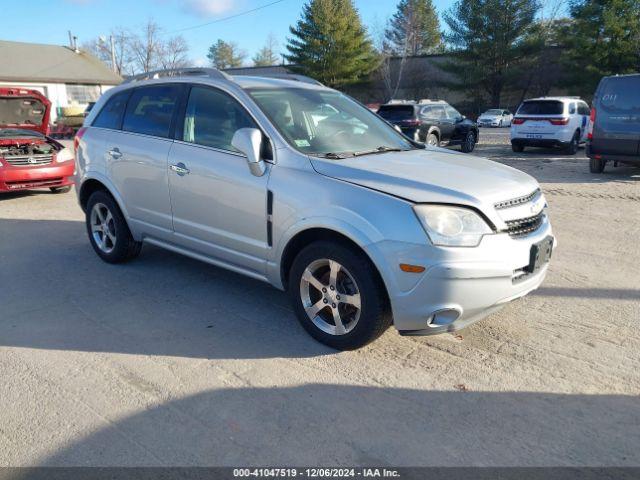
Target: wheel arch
(93,184)
(310,235)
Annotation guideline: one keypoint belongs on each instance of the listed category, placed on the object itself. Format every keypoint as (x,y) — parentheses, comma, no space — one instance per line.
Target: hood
(24,109)
(432,175)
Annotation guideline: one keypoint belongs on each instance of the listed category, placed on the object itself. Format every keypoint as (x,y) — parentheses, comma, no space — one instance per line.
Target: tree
(225,55)
(173,53)
(414,29)
(488,40)
(101,48)
(146,47)
(268,54)
(602,39)
(329,43)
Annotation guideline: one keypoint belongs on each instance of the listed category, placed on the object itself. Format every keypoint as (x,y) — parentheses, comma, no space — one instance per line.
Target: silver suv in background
(297,185)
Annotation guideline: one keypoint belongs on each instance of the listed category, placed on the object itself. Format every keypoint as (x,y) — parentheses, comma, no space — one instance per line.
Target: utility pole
(113,54)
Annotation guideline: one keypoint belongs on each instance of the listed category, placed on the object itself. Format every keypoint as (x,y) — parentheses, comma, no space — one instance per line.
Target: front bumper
(47,176)
(465,286)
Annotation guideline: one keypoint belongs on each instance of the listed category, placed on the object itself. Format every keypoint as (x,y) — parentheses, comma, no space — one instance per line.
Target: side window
(572,108)
(150,110)
(583,109)
(213,117)
(452,113)
(111,114)
(427,112)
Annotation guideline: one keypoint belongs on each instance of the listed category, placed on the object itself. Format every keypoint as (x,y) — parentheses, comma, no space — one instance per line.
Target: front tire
(517,147)
(469,143)
(338,295)
(108,231)
(60,189)
(596,165)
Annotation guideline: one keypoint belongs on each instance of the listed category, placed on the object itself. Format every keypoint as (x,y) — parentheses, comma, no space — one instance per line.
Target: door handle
(180,168)
(114,153)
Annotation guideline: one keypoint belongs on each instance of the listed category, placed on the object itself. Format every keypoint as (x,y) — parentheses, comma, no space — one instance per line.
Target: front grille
(524,226)
(29,160)
(516,201)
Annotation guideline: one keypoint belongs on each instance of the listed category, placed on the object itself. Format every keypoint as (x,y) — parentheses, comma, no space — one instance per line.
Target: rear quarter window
(111,114)
(150,110)
(620,95)
(541,107)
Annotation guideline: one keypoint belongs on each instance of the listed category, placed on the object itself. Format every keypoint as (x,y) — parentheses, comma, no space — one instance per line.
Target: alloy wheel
(103,228)
(330,297)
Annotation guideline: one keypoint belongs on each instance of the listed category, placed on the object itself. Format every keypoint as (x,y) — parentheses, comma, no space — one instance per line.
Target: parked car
(495,117)
(433,122)
(614,133)
(28,158)
(364,227)
(550,122)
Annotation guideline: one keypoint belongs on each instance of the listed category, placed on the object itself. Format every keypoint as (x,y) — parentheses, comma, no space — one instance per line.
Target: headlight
(452,226)
(64,155)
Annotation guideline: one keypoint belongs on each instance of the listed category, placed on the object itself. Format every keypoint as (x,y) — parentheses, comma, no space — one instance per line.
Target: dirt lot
(166,361)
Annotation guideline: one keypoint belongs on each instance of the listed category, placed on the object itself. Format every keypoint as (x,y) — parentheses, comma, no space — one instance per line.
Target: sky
(48,21)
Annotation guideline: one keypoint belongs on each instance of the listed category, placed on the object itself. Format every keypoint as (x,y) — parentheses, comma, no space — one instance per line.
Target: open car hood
(24,109)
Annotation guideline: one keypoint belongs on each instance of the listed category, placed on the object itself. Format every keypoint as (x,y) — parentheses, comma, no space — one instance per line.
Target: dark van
(614,131)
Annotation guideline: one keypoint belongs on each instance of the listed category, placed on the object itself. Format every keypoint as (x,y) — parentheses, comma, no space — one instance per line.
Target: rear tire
(60,189)
(596,165)
(432,139)
(108,231)
(572,148)
(518,148)
(338,295)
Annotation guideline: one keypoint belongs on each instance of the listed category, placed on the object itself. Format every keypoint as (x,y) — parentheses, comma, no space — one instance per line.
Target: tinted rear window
(620,95)
(396,111)
(541,107)
(150,110)
(111,114)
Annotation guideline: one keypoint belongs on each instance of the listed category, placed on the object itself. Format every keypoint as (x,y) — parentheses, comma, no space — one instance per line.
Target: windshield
(18,132)
(493,112)
(541,107)
(327,123)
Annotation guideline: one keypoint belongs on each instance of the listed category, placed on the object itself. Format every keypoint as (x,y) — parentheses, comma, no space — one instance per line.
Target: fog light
(443,317)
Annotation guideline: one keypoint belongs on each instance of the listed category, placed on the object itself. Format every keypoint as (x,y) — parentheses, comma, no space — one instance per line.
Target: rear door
(617,126)
(137,157)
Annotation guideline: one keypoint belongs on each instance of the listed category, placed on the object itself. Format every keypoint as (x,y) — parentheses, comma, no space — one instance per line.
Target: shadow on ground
(349,425)
(57,294)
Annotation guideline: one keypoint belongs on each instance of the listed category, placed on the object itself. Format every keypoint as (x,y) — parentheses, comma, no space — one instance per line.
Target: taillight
(518,121)
(76,139)
(592,121)
(559,121)
(411,123)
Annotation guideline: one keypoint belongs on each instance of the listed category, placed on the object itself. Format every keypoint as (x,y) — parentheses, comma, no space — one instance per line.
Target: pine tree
(603,39)
(225,55)
(488,40)
(330,44)
(268,54)
(414,29)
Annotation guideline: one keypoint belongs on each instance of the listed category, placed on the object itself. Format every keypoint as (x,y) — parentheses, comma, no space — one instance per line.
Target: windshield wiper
(333,155)
(381,149)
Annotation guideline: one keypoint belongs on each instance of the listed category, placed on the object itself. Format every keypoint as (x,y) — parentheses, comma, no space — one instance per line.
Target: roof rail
(291,76)
(177,72)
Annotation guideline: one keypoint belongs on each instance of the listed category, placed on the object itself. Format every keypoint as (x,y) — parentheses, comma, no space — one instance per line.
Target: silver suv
(298,185)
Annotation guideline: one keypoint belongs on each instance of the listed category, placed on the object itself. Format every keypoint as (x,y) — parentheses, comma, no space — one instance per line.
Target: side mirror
(249,142)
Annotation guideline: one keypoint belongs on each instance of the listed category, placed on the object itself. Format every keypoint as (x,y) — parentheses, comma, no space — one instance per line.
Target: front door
(219,207)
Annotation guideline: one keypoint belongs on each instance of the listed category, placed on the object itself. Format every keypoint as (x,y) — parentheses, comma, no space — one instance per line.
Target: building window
(82,94)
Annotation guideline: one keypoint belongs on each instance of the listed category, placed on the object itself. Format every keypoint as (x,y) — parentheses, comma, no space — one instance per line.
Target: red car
(28,157)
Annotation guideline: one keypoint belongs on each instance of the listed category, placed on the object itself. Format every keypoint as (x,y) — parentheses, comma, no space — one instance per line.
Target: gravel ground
(166,361)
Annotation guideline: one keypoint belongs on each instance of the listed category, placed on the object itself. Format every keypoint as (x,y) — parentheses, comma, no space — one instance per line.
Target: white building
(65,76)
